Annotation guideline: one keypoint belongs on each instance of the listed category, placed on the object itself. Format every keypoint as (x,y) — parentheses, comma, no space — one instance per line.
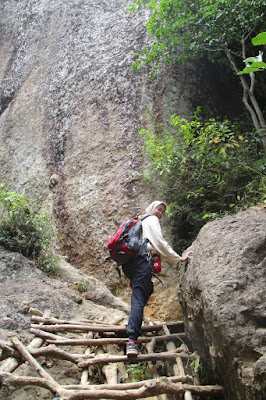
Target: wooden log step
(46,335)
(99,328)
(104,341)
(53,352)
(53,320)
(127,386)
(106,358)
(152,388)
(90,359)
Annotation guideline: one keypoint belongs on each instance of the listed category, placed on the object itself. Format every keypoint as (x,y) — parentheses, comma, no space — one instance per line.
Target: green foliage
(202,372)
(185,29)
(256,63)
(137,372)
(219,29)
(196,365)
(207,169)
(260,39)
(25,231)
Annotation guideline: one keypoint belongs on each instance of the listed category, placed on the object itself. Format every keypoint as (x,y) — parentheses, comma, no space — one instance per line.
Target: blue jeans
(139,272)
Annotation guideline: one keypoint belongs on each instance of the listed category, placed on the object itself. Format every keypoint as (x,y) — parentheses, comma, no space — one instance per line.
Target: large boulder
(69,295)
(222,291)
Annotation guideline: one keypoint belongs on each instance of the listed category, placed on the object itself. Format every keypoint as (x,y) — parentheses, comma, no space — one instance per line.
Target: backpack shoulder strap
(145,216)
(142,219)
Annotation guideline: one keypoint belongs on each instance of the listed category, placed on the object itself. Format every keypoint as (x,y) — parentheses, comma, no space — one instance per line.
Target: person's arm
(152,231)
(185,256)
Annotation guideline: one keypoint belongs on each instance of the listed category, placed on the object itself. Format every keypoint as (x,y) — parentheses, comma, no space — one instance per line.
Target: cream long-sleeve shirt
(151,230)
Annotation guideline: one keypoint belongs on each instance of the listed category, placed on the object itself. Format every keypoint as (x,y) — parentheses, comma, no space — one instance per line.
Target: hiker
(139,271)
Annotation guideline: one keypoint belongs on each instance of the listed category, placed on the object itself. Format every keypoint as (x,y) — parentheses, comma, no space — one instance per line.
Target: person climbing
(139,271)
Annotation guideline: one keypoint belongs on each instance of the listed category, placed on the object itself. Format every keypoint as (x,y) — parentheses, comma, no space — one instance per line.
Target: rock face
(222,292)
(70,109)
(23,286)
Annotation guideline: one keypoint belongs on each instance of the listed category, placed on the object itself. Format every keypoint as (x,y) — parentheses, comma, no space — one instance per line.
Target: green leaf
(260,39)
(258,64)
(248,70)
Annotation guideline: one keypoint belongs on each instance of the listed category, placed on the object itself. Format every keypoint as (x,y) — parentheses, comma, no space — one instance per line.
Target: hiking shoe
(132,349)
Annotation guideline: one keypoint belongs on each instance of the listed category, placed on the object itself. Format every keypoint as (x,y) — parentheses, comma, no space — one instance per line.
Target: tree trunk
(253,108)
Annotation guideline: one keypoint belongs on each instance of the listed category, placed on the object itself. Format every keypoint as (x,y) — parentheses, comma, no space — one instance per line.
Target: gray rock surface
(23,286)
(70,109)
(222,291)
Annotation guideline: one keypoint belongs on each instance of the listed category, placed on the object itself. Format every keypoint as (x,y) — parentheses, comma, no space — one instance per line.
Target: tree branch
(256,114)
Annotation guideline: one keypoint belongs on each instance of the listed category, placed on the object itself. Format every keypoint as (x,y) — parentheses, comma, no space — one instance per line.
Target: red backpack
(126,243)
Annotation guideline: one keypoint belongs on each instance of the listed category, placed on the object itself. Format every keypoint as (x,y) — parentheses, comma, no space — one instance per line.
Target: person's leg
(142,287)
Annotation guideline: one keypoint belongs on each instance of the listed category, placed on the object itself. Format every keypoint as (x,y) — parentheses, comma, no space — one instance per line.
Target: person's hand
(185,256)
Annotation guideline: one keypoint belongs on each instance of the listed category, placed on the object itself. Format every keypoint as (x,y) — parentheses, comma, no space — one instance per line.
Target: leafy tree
(189,28)
(207,169)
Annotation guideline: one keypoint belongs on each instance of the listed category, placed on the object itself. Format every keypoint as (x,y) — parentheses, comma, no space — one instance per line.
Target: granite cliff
(70,110)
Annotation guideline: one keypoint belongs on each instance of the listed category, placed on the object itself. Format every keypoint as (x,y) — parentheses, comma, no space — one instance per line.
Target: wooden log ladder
(164,369)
